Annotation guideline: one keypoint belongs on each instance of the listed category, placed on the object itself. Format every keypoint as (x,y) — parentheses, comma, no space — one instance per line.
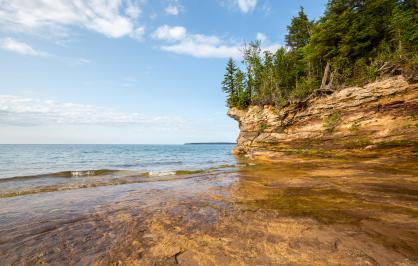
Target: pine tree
(404,27)
(243,96)
(299,31)
(229,84)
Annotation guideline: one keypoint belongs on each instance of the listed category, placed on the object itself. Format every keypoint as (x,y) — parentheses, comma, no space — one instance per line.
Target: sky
(128,71)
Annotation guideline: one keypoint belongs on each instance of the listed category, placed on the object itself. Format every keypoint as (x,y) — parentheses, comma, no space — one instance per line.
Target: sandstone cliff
(375,117)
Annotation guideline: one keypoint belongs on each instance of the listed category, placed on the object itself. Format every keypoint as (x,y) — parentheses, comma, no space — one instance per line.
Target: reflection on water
(77,226)
(300,210)
(375,197)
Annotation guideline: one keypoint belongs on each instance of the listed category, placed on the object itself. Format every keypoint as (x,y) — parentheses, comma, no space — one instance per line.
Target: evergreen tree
(299,31)
(404,27)
(352,43)
(229,84)
(243,98)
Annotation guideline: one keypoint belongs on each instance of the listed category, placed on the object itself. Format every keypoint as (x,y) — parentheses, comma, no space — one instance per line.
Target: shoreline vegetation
(353,43)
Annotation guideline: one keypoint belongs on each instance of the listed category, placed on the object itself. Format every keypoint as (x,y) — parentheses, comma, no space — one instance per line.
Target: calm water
(28,160)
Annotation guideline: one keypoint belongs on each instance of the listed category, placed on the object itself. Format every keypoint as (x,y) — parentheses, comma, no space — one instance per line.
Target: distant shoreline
(211,143)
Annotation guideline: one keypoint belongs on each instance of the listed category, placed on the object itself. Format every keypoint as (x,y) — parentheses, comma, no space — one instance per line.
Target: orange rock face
(379,115)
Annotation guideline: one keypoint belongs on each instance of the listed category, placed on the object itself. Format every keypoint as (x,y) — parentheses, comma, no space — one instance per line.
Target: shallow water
(302,210)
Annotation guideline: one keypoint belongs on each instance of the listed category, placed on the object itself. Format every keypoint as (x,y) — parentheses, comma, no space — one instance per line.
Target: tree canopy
(352,43)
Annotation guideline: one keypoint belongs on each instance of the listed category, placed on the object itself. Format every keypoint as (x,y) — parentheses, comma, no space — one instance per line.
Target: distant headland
(210,143)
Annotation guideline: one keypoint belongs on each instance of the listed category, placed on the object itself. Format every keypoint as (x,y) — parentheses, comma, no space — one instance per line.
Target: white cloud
(247,5)
(58,16)
(199,45)
(198,48)
(133,10)
(84,61)
(271,48)
(15,46)
(266,9)
(261,37)
(168,33)
(139,33)
(15,110)
(71,61)
(172,10)
(244,6)
(19,47)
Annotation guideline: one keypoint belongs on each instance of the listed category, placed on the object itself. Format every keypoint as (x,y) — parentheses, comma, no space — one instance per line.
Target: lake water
(29,160)
(187,204)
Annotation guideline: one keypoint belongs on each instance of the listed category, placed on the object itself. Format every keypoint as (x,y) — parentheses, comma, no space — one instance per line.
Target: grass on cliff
(331,121)
(262,127)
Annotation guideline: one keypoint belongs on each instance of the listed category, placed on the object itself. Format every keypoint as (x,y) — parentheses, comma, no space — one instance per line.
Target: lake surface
(28,160)
(198,205)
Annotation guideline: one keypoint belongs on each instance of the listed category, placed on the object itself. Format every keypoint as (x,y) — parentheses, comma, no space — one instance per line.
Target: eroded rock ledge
(374,117)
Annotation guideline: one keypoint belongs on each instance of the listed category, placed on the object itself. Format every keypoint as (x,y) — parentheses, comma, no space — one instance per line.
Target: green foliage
(355,128)
(331,121)
(299,31)
(358,39)
(262,127)
(234,84)
(404,27)
(304,87)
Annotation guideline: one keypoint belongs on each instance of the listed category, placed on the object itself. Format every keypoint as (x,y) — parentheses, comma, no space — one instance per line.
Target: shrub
(355,127)
(304,88)
(331,121)
(262,127)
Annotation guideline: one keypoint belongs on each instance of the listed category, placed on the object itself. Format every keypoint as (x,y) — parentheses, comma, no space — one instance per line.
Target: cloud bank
(197,45)
(19,47)
(113,18)
(179,41)
(15,110)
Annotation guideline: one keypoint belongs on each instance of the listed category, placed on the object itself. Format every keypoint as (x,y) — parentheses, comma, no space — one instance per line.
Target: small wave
(121,177)
(178,172)
(191,172)
(82,173)
(161,173)
(66,174)
(119,172)
(147,164)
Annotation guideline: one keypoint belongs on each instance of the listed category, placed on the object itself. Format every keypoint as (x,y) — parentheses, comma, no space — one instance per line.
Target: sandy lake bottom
(299,211)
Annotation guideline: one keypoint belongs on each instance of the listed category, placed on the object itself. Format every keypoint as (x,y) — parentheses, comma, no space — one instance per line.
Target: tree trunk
(325,77)
(331,79)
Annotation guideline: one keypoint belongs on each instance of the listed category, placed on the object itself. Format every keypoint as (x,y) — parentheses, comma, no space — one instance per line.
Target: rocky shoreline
(366,119)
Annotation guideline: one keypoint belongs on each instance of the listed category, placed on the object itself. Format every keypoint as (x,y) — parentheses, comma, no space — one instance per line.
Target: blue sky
(127,71)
